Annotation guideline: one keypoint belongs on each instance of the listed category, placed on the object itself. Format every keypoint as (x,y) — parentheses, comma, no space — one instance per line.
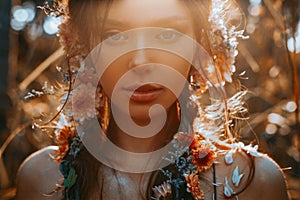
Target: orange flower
(62,140)
(197,140)
(203,155)
(193,186)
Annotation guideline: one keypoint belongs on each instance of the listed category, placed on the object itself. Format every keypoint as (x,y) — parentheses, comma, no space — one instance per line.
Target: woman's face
(148,61)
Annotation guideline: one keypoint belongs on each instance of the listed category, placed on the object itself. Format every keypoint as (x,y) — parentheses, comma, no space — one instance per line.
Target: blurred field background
(270,60)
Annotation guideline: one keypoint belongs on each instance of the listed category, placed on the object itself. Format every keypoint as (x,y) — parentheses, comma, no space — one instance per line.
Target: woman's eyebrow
(114,22)
(167,20)
(175,18)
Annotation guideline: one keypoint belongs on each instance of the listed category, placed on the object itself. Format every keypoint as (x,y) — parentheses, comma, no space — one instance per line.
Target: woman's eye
(114,35)
(169,35)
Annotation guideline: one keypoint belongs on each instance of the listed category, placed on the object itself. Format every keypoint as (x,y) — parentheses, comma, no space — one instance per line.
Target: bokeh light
(271,129)
(291,106)
(292,43)
(274,71)
(51,24)
(30,9)
(275,118)
(255,2)
(22,15)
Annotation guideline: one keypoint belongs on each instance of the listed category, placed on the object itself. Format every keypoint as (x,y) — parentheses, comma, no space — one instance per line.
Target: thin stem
(40,68)
(277,17)
(12,135)
(292,59)
(4,180)
(295,71)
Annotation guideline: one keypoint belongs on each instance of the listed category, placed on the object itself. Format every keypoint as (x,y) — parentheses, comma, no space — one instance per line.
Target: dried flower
(63,139)
(162,191)
(203,155)
(224,36)
(193,186)
(57,8)
(69,39)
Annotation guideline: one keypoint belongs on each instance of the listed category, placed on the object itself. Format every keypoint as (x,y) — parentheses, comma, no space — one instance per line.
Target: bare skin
(39,175)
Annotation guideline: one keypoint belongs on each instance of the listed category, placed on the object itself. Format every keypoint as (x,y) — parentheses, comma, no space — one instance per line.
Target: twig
(249,58)
(40,68)
(292,62)
(259,118)
(295,69)
(275,14)
(4,180)
(8,194)
(12,135)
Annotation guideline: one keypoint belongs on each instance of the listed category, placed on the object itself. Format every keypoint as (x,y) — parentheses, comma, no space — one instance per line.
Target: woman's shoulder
(38,176)
(268,180)
(248,176)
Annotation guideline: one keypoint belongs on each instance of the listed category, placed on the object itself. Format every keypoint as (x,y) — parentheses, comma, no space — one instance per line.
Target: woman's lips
(144,93)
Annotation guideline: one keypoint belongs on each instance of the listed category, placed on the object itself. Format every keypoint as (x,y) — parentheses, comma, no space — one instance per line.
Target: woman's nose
(140,61)
(138,58)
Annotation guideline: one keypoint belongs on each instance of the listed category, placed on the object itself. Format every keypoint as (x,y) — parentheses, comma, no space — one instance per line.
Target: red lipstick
(144,93)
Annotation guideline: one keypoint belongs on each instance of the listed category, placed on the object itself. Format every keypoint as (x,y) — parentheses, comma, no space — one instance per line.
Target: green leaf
(71,179)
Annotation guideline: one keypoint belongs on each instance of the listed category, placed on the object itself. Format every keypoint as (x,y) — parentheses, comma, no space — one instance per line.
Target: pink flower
(83,102)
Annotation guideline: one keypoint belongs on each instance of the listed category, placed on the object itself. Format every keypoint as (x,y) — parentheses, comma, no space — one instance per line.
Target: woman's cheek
(108,82)
(111,76)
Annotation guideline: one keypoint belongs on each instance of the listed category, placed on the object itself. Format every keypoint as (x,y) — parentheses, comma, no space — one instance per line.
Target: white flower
(252,150)
(228,158)
(236,177)
(163,190)
(62,122)
(228,191)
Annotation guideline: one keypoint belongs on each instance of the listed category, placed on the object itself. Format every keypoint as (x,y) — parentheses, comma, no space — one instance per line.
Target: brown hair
(85,165)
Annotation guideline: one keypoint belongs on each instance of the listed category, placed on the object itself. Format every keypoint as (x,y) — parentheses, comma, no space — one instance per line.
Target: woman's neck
(143,145)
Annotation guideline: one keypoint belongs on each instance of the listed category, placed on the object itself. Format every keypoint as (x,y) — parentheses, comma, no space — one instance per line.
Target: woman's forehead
(147,11)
